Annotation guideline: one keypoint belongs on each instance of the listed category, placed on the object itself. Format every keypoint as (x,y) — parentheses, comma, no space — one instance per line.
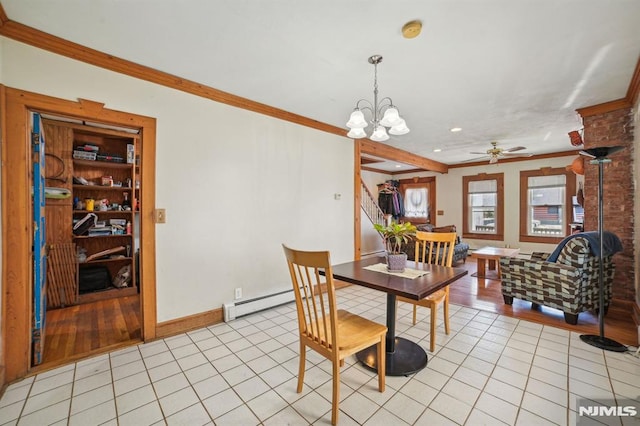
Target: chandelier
(384,114)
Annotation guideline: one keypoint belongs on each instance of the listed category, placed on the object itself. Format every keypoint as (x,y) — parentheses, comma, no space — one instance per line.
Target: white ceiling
(513,71)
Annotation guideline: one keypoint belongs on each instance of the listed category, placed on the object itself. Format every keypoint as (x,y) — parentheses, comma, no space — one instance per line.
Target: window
(419,198)
(578,211)
(482,203)
(546,204)
(416,203)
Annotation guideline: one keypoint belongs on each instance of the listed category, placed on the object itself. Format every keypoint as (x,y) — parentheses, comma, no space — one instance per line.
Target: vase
(396,262)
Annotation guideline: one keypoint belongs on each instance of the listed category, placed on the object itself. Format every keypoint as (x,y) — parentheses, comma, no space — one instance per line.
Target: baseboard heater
(233,310)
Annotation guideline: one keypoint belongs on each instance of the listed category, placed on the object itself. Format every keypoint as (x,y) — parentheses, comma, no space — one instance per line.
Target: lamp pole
(600,341)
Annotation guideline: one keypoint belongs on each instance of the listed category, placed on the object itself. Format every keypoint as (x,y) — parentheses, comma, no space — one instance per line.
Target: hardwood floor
(486,294)
(83,330)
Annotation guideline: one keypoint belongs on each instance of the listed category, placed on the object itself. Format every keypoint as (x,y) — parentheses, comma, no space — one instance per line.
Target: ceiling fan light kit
(494,153)
(384,114)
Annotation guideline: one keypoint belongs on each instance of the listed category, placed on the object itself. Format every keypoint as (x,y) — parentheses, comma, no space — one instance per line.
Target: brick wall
(613,128)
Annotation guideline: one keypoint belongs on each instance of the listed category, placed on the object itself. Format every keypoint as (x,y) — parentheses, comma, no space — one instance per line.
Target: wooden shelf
(102,164)
(101,188)
(107,260)
(107,212)
(96,172)
(87,237)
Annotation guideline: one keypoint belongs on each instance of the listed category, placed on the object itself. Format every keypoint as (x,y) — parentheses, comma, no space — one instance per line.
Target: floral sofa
(570,283)
(460,251)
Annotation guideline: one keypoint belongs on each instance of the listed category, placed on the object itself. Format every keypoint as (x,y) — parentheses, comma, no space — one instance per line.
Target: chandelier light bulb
(384,114)
(399,129)
(356,120)
(391,117)
(357,133)
(379,134)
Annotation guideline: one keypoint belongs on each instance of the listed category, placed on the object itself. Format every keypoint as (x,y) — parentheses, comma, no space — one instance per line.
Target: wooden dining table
(403,356)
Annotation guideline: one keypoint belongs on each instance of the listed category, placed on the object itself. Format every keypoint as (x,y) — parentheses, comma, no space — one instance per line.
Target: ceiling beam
(395,154)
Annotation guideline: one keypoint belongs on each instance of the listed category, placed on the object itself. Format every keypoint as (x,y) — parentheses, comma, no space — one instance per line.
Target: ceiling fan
(494,153)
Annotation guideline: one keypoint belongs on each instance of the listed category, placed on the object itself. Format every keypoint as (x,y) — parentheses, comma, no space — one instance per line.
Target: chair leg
(571,318)
(382,367)
(415,309)
(303,357)
(446,316)
(335,399)
(434,318)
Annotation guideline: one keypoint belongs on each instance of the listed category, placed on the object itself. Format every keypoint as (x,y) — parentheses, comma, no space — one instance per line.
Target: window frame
(466,232)
(570,190)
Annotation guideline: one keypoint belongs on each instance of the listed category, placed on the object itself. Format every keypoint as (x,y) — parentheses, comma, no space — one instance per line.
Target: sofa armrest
(552,284)
(538,255)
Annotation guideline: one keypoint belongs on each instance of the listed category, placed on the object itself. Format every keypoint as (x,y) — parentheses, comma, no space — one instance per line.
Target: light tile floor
(490,370)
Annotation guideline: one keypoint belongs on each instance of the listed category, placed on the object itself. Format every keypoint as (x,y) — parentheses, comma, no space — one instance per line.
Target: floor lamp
(599,341)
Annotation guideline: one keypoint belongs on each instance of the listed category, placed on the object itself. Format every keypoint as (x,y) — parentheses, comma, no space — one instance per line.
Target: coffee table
(491,255)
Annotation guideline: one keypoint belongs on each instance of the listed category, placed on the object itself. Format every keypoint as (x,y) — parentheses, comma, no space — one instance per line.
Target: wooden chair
(333,333)
(435,248)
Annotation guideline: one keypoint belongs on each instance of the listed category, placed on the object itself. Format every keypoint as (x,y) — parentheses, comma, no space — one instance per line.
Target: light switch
(160,215)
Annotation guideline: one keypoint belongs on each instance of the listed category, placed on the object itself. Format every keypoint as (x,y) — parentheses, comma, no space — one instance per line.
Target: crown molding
(628,101)
(603,108)
(634,87)
(516,159)
(60,46)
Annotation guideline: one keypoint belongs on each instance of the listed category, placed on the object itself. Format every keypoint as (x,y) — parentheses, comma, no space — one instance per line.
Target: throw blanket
(611,244)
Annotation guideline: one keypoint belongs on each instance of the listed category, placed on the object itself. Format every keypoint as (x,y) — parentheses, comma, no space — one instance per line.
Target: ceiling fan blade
(479,153)
(515,148)
(517,154)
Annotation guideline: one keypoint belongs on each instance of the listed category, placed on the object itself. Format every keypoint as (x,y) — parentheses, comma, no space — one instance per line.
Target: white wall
(235,184)
(449,199)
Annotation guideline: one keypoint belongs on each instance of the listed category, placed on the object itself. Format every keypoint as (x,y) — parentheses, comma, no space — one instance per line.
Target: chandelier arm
(382,104)
(369,106)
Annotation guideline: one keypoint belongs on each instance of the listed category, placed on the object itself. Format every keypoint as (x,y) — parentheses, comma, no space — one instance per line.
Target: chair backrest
(435,247)
(315,297)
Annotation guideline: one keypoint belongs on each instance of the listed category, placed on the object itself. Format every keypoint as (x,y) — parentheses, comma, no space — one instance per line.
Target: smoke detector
(411,29)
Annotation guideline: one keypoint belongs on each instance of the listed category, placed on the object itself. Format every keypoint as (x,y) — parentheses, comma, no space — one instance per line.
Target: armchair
(570,284)
(460,250)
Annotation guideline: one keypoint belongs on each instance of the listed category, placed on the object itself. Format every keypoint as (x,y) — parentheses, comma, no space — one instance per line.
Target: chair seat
(436,297)
(354,332)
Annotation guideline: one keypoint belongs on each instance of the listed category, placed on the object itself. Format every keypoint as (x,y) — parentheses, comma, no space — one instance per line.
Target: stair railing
(371,208)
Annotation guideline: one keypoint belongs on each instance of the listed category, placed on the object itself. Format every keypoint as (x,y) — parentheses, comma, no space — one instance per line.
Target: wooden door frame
(17,229)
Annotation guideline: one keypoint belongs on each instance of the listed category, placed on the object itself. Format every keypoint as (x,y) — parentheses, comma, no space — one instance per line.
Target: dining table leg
(403,356)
